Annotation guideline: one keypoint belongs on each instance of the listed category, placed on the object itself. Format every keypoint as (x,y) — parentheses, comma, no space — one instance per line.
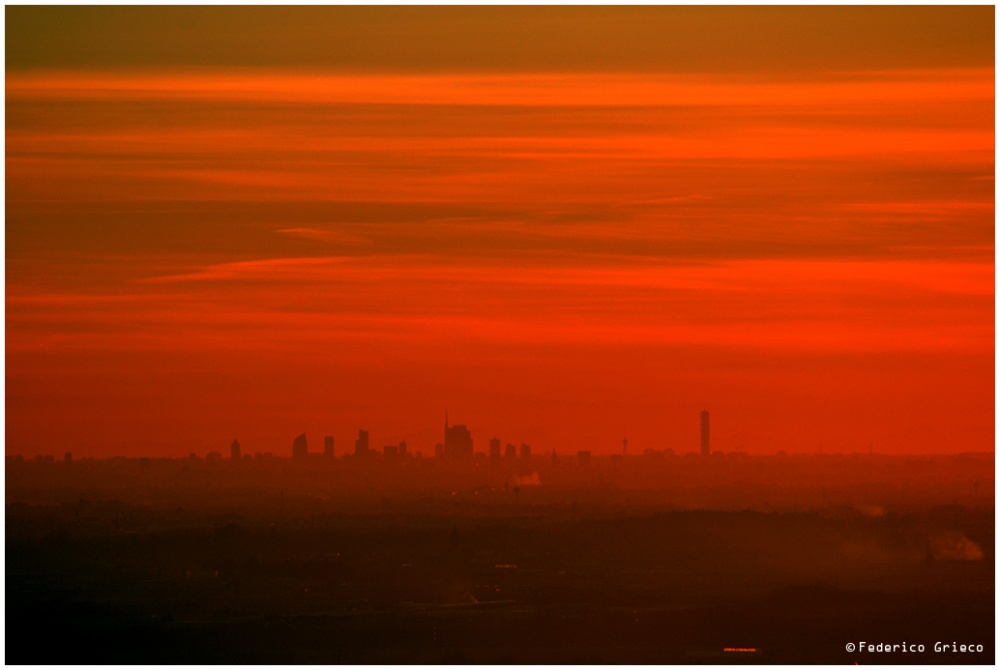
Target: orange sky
(789,222)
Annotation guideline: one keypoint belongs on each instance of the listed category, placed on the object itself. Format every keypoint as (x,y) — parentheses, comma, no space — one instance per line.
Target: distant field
(527,582)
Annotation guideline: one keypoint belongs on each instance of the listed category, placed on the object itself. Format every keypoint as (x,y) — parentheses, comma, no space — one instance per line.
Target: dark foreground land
(492,576)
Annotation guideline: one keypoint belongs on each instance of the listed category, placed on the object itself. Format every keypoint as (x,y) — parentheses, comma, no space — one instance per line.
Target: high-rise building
(705,448)
(525,451)
(234,450)
(495,449)
(361,444)
(299,447)
(510,452)
(457,441)
(328,446)
(402,449)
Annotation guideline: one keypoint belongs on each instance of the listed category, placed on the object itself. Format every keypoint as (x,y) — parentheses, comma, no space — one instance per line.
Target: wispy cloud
(304,302)
(617,90)
(215,238)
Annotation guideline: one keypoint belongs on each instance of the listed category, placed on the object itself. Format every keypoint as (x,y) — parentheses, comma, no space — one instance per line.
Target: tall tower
(234,450)
(457,441)
(328,446)
(300,448)
(705,450)
(361,444)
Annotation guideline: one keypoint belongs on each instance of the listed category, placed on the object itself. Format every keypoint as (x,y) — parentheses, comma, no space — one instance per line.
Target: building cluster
(457,446)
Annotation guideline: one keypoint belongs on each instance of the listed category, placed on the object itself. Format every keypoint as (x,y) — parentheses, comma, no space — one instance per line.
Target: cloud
(953,546)
(617,90)
(493,39)
(324,235)
(875,164)
(302,303)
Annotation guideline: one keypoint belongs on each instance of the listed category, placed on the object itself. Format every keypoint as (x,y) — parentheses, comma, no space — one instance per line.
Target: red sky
(256,222)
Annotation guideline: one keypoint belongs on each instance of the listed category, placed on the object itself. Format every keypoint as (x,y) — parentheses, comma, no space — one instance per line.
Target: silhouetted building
(510,451)
(328,446)
(583,457)
(438,450)
(234,451)
(525,451)
(299,447)
(68,457)
(402,449)
(495,449)
(705,450)
(361,444)
(214,456)
(457,441)
(390,452)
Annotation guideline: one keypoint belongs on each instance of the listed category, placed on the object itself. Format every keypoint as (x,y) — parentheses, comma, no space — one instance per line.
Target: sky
(561,225)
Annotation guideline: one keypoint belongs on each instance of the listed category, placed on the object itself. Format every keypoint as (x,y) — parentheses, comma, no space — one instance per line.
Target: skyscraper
(457,441)
(299,447)
(328,446)
(705,450)
(495,449)
(234,450)
(361,444)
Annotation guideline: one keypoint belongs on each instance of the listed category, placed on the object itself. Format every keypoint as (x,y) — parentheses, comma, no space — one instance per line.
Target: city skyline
(500,335)
(459,446)
(572,223)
